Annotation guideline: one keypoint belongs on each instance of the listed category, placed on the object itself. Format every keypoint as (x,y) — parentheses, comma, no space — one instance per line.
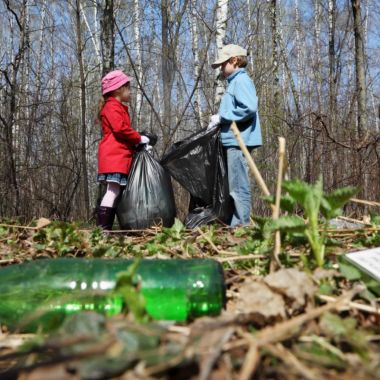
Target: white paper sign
(368,260)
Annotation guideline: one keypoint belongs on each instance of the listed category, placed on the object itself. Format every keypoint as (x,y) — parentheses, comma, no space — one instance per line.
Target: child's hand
(214,121)
(144,140)
(151,136)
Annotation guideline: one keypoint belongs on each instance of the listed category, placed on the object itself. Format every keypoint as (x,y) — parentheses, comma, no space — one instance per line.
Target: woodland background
(315,64)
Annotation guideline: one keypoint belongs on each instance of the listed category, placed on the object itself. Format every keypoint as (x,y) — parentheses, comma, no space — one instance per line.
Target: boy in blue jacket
(239,104)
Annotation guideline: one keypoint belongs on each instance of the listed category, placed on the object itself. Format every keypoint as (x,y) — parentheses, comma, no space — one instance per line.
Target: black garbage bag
(199,165)
(148,198)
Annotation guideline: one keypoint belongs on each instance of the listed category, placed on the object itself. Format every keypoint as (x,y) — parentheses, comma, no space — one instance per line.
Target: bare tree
(170,32)
(107,35)
(360,68)
(9,119)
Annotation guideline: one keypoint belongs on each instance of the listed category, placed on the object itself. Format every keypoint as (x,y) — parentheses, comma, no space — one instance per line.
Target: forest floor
(297,321)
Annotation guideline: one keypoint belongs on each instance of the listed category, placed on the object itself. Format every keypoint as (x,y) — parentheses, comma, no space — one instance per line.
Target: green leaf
(319,355)
(326,289)
(332,325)
(375,218)
(349,271)
(287,203)
(333,202)
(289,223)
(127,287)
(261,221)
(297,189)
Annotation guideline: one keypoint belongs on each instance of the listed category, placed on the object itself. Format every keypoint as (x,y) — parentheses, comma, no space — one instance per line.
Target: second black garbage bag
(198,164)
(148,198)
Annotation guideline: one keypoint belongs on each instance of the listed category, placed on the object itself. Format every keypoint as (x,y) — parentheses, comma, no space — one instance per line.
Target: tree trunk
(168,58)
(107,36)
(138,62)
(220,29)
(360,68)
(80,48)
(275,53)
(195,49)
(9,120)
(361,93)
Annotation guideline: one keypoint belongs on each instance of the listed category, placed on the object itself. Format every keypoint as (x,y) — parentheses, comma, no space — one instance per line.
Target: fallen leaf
(42,222)
(261,303)
(296,286)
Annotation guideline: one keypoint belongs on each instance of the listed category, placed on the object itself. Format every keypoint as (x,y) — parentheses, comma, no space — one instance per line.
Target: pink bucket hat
(114,80)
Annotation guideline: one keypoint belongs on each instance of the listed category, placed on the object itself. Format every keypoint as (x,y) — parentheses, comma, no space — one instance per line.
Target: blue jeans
(239,186)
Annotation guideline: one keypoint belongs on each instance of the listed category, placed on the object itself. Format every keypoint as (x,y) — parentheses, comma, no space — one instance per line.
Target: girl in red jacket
(117,145)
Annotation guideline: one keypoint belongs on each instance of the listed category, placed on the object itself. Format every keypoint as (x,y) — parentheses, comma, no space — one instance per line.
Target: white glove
(214,121)
(144,140)
(148,148)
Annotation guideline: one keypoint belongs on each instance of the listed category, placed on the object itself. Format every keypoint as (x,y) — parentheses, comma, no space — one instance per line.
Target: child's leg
(106,211)
(239,186)
(113,191)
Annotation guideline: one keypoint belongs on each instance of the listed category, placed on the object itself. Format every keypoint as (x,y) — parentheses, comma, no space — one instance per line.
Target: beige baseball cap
(228,52)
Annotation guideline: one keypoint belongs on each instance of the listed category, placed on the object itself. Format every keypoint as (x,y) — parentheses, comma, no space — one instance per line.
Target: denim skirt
(121,179)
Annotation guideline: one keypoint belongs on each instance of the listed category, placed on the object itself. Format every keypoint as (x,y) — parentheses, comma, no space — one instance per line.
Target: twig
(354,220)
(370,203)
(7,261)
(14,340)
(251,359)
(275,262)
(291,360)
(213,246)
(16,226)
(352,231)
(352,305)
(213,356)
(281,331)
(238,258)
(249,159)
(323,343)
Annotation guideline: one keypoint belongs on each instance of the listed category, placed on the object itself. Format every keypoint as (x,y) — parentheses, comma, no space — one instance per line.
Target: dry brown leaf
(296,286)
(321,274)
(42,222)
(53,372)
(261,303)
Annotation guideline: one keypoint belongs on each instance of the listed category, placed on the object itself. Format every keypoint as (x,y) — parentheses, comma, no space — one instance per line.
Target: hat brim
(218,63)
(117,85)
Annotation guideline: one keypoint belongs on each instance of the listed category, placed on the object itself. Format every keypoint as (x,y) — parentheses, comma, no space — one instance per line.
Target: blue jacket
(239,103)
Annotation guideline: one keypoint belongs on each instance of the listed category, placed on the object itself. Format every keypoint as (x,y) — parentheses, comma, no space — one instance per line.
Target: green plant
(128,287)
(314,203)
(61,238)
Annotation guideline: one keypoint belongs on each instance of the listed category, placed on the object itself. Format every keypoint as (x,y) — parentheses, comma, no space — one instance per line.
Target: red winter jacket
(119,139)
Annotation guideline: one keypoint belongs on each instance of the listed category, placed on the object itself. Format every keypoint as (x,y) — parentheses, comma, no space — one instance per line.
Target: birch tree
(195,49)
(83,106)
(220,31)
(138,61)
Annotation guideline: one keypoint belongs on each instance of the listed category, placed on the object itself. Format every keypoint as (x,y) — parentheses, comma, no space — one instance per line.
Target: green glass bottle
(176,290)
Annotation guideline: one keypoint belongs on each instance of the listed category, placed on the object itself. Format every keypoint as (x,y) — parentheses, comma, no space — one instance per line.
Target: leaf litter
(295,323)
